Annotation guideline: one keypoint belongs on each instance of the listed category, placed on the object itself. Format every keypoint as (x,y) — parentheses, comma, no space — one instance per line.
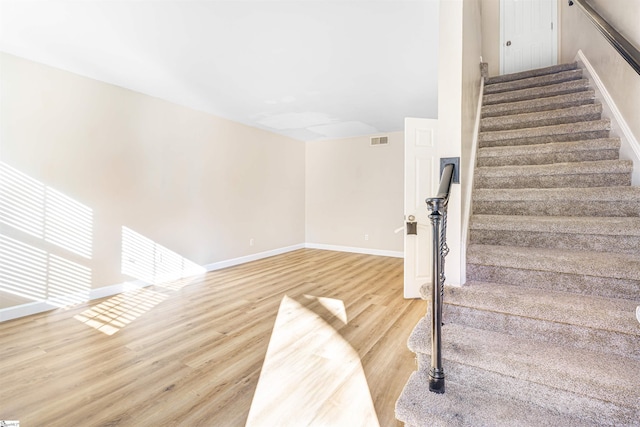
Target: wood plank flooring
(192,353)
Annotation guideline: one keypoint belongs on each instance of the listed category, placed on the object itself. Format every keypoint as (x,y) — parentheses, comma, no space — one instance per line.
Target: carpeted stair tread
(614,265)
(614,226)
(462,405)
(531,73)
(544,332)
(581,113)
(602,173)
(553,133)
(536,92)
(603,234)
(587,201)
(536,81)
(555,152)
(607,325)
(573,375)
(556,102)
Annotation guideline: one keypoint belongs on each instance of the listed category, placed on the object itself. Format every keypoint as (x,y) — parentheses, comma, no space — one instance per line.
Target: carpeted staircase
(544,332)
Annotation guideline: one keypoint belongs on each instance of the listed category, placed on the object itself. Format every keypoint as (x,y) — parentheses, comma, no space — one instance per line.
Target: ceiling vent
(379,140)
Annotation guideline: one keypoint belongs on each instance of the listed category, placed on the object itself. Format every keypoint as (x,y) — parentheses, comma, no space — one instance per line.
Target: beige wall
(471,52)
(624,15)
(194,183)
(621,81)
(490,15)
(353,189)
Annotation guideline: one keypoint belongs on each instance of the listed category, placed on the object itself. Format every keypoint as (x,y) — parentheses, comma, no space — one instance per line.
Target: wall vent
(379,140)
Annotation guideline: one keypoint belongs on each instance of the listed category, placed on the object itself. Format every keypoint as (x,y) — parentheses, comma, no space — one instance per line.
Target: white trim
(367,251)
(23,310)
(253,257)
(36,307)
(107,291)
(464,239)
(630,148)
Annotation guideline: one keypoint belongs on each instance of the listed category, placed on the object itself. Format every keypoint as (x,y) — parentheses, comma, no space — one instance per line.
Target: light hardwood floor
(192,353)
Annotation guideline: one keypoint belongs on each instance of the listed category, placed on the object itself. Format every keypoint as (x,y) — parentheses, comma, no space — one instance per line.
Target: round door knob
(509,43)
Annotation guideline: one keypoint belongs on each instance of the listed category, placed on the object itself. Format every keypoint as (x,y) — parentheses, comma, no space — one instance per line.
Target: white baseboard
(23,310)
(630,148)
(36,307)
(107,291)
(28,309)
(352,249)
(253,257)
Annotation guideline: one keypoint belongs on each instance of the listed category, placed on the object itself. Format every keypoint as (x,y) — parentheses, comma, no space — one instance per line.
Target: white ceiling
(307,69)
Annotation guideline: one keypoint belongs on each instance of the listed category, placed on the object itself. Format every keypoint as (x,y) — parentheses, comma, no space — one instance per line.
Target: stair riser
(589,411)
(549,158)
(553,181)
(537,81)
(576,99)
(588,285)
(534,93)
(557,208)
(502,123)
(531,73)
(542,139)
(570,241)
(464,405)
(546,331)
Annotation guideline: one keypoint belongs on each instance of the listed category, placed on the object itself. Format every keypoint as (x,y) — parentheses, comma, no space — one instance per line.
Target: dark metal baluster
(438,216)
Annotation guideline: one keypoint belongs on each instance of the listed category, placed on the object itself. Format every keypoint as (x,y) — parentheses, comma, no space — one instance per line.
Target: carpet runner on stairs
(544,332)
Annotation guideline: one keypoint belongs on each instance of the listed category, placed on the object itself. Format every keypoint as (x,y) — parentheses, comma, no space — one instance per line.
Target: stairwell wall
(621,81)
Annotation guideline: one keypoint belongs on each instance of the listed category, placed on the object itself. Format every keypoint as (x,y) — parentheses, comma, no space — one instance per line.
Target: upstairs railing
(438,216)
(629,52)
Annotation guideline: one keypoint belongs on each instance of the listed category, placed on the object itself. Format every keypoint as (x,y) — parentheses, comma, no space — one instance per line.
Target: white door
(421,169)
(529,34)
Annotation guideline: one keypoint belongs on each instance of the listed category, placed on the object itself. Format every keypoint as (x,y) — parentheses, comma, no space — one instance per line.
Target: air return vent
(379,140)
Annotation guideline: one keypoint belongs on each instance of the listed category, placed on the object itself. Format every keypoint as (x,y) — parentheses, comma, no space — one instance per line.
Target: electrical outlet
(251,242)
(366,237)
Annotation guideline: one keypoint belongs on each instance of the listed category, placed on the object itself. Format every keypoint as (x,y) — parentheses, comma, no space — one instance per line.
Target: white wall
(198,185)
(458,86)
(354,189)
(450,122)
(621,81)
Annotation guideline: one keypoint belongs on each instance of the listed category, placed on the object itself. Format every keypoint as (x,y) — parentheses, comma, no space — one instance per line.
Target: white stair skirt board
(630,148)
(468,185)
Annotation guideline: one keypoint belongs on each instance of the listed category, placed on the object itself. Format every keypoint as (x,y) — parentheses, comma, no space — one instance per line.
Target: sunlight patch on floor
(311,375)
(334,306)
(117,312)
